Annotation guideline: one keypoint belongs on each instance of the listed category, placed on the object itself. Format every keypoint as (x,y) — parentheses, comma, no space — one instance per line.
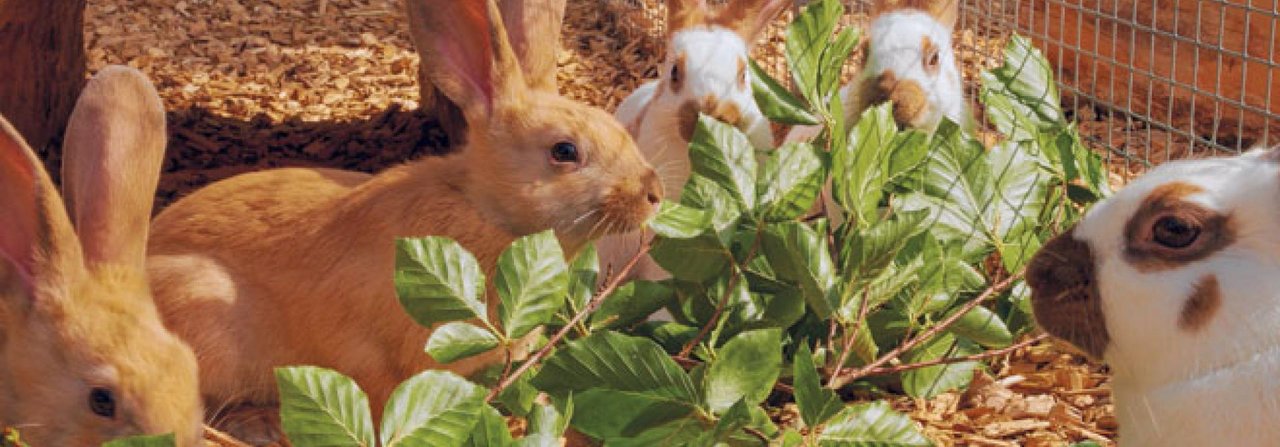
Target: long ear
(34,231)
(113,151)
(534,29)
(683,14)
(750,17)
(466,54)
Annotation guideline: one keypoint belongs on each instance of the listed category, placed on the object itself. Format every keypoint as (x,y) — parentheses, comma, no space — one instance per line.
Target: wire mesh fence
(1147,81)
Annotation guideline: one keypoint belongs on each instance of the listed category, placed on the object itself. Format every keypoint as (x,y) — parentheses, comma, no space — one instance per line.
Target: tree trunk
(42,46)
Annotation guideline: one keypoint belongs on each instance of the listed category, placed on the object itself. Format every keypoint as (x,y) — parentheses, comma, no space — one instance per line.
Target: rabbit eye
(102,402)
(675,73)
(1174,232)
(564,152)
(932,61)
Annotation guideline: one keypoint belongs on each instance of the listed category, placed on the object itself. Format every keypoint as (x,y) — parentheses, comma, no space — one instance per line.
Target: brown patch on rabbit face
(909,100)
(1065,296)
(1200,307)
(1168,232)
(709,105)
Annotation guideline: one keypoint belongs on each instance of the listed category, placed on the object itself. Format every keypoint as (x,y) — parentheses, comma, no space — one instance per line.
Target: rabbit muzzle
(1064,293)
(910,102)
(710,105)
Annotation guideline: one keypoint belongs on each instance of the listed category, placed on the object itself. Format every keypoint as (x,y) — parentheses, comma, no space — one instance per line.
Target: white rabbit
(706,71)
(1175,282)
(910,61)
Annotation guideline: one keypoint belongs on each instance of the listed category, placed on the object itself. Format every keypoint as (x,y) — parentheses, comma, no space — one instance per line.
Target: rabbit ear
(534,29)
(466,54)
(683,14)
(749,17)
(113,150)
(34,231)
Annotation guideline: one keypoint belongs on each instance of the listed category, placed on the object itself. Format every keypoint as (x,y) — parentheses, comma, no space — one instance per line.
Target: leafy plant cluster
(904,284)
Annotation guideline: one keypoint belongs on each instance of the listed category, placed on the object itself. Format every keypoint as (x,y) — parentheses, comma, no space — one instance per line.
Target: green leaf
(142,441)
(679,432)
(680,222)
(807,41)
(631,303)
(583,272)
(705,194)
(532,280)
(934,380)
(609,360)
(546,425)
(860,168)
(319,406)
(490,431)
(696,260)
(432,409)
(1022,90)
(868,252)
(984,327)
(798,254)
(457,340)
(617,414)
(733,420)
(872,424)
(775,101)
(790,181)
(745,368)
(437,281)
(817,404)
(723,154)
(519,397)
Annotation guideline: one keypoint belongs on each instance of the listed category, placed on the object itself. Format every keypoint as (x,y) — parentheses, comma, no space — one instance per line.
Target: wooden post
(42,66)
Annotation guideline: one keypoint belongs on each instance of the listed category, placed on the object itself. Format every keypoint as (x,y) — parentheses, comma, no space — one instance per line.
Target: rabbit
(1174,282)
(533,28)
(706,71)
(294,266)
(84,357)
(909,60)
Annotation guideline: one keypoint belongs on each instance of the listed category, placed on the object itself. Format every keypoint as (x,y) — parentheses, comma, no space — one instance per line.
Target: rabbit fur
(1175,282)
(84,357)
(294,266)
(706,71)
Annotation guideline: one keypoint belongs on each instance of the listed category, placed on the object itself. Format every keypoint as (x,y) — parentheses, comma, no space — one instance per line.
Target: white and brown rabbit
(294,266)
(1175,282)
(909,60)
(706,71)
(84,357)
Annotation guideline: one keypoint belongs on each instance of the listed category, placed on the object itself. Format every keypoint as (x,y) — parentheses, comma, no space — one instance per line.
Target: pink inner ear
(18,209)
(466,47)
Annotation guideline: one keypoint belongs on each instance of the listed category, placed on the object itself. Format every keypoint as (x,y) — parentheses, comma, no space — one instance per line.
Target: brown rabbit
(294,266)
(83,355)
(533,27)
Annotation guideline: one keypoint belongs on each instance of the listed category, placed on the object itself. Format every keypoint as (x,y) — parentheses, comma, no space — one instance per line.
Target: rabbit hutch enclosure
(256,84)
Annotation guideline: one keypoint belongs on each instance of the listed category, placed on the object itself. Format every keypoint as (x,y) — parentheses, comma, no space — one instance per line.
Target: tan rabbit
(294,266)
(83,355)
(533,28)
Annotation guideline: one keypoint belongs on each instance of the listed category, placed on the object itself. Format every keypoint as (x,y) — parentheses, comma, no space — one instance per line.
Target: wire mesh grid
(1148,81)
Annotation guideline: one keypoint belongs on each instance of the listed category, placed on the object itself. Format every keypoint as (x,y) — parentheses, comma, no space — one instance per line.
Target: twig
(724,299)
(840,381)
(967,358)
(757,433)
(715,316)
(592,305)
(848,345)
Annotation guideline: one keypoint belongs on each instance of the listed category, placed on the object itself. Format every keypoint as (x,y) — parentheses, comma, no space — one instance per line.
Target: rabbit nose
(908,97)
(652,188)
